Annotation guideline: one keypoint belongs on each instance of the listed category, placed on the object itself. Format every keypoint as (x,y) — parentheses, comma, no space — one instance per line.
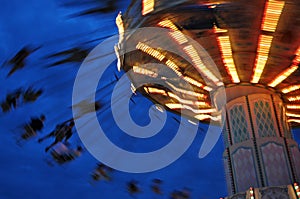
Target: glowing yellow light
(179,37)
(187,92)
(189,102)
(167,24)
(148,6)
(196,83)
(291,88)
(282,76)
(173,67)
(183,106)
(219,30)
(292,115)
(191,51)
(226,51)
(176,69)
(204,117)
(294,98)
(297,58)
(294,120)
(152,90)
(120,25)
(272,13)
(293,106)
(144,71)
(262,56)
(150,51)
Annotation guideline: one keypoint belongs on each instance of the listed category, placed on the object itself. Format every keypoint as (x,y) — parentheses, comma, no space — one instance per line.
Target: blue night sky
(24,172)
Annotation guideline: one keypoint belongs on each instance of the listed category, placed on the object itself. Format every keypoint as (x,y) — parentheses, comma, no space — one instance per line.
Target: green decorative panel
(238,124)
(264,120)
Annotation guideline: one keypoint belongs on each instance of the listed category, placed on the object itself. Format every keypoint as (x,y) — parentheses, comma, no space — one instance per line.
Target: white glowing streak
(293,106)
(292,115)
(144,71)
(291,88)
(120,25)
(294,120)
(191,93)
(183,106)
(294,98)
(189,102)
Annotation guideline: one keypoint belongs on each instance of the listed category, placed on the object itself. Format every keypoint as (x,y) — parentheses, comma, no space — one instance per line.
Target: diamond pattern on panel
(275,165)
(296,159)
(244,168)
(264,120)
(239,124)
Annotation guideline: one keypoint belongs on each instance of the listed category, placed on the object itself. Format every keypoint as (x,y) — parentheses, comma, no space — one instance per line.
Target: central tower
(260,151)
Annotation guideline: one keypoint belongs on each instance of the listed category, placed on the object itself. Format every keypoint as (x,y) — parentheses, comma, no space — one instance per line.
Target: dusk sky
(24,172)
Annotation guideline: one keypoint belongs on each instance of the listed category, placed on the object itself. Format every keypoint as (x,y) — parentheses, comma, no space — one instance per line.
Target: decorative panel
(244,169)
(239,124)
(275,164)
(296,159)
(263,116)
